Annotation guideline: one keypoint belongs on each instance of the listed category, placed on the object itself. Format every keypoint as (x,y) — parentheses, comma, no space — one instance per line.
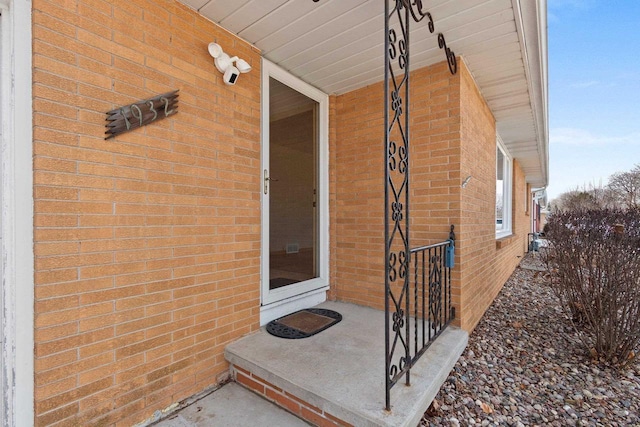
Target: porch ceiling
(337,45)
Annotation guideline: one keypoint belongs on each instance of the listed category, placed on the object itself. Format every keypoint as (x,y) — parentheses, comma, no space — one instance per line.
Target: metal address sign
(141,113)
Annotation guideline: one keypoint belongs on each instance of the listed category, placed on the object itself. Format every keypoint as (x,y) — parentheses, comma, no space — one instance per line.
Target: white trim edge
(17,214)
(282,308)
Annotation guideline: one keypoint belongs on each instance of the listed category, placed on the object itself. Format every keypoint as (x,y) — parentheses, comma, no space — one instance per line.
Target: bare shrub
(594,264)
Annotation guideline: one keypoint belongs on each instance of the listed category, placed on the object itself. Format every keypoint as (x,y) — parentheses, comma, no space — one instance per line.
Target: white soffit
(337,46)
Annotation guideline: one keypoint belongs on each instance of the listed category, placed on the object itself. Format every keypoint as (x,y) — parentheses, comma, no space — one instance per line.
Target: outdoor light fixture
(225,64)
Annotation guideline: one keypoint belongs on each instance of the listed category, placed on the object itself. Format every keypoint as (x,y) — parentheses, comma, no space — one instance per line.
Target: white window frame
(505,228)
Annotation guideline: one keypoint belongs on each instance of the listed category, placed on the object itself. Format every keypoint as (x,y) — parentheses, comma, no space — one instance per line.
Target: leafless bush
(594,264)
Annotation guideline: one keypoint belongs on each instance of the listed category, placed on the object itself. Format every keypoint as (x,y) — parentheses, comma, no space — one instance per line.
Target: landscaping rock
(525,366)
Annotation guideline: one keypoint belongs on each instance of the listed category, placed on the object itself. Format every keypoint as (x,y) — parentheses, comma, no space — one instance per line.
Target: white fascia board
(531,23)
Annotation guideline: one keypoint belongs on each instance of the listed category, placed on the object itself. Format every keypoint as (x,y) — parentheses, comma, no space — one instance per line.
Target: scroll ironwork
(435,273)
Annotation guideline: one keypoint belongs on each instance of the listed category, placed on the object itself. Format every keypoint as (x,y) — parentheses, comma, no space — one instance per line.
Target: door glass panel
(293,184)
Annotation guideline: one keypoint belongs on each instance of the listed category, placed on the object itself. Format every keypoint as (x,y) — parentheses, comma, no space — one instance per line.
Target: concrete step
(337,376)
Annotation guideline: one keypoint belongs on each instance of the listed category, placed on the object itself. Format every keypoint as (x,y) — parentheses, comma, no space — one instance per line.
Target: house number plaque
(141,113)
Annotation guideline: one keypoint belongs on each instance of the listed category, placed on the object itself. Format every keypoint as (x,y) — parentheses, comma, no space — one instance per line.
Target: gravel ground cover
(525,366)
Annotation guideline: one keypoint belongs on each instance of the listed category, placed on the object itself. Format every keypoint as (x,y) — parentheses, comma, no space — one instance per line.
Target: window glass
(503,191)
(499,188)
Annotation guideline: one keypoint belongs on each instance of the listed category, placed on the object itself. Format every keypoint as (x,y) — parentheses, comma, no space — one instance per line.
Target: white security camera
(231,75)
(224,64)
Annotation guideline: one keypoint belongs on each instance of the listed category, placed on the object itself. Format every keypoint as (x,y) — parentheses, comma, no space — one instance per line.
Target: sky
(594,91)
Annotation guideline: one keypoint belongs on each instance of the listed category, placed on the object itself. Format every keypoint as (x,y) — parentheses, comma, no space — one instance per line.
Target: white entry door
(295,209)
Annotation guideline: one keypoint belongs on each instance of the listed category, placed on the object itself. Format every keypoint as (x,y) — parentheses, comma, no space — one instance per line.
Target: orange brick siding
(453,135)
(332,294)
(483,267)
(357,177)
(286,400)
(147,245)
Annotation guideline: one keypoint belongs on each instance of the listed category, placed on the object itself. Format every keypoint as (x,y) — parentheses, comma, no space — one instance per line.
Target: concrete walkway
(232,406)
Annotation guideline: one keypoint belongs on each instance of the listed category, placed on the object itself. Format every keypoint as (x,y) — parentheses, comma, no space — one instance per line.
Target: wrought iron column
(396,121)
(398,14)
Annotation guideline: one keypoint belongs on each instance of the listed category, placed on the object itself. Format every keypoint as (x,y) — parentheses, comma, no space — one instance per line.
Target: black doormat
(303,323)
(279,282)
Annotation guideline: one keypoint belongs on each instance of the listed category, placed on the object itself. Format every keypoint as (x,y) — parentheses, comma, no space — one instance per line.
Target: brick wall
(147,245)
(332,294)
(357,177)
(453,136)
(510,250)
(435,154)
(485,263)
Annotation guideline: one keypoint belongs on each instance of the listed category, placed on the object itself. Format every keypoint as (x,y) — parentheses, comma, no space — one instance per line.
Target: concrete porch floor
(341,370)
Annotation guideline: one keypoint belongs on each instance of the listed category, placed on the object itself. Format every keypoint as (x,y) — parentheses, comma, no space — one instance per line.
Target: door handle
(266,181)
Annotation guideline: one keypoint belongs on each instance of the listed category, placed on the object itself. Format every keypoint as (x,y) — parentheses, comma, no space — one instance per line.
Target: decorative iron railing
(398,255)
(432,307)
(428,315)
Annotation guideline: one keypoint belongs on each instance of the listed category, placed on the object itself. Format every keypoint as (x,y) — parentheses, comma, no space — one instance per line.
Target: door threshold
(281,308)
